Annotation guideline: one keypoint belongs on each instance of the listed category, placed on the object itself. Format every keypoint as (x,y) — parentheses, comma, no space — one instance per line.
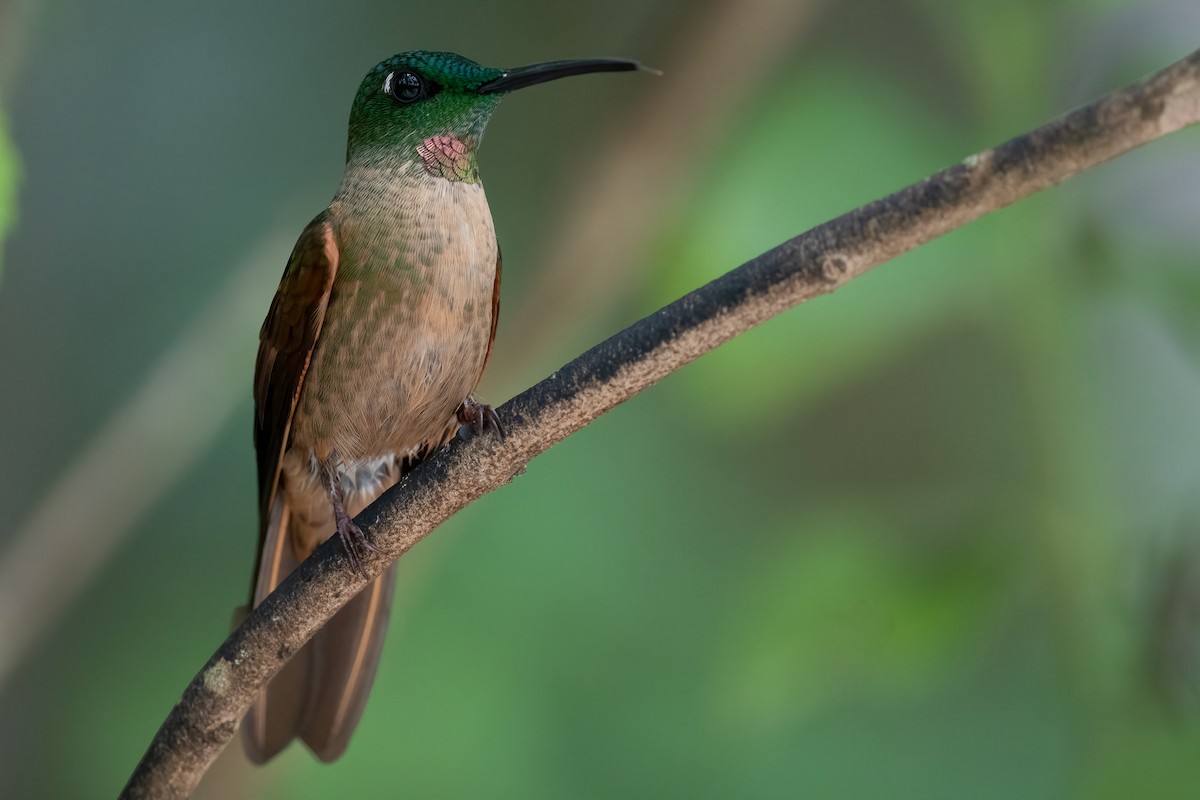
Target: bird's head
(431,108)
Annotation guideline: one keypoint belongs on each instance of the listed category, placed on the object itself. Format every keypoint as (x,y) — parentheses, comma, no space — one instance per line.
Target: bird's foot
(477,419)
(354,542)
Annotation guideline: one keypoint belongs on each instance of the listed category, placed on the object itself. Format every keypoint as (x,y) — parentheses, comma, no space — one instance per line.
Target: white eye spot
(387,83)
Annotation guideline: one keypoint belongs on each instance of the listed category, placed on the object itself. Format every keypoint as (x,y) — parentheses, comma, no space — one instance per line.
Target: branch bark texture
(816,262)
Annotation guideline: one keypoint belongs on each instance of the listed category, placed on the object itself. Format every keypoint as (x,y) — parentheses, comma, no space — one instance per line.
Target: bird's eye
(404,87)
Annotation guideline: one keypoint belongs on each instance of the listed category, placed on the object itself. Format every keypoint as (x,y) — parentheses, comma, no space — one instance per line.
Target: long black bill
(520,77)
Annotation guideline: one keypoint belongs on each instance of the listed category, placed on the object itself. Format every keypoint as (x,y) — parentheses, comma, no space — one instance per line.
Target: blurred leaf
(8,186)
(847,611)
(1010,90)
(1149,393)
(1144,757)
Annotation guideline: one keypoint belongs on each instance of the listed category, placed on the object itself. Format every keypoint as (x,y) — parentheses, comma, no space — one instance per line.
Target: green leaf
(8,186)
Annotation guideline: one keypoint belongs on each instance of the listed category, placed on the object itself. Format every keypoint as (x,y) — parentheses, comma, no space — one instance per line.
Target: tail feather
(320,694)
(275,718)
(345,656)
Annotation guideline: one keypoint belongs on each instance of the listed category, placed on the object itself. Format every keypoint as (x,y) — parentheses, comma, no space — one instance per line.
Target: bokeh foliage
(932,536)
(8,186)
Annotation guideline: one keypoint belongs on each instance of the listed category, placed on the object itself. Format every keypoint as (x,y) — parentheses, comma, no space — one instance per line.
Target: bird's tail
(320,694)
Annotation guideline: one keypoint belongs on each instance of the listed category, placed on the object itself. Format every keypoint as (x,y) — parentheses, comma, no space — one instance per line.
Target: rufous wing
(286,343)
(495,311)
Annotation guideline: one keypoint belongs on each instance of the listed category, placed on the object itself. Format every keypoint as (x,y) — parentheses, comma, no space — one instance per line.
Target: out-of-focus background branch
(987,568)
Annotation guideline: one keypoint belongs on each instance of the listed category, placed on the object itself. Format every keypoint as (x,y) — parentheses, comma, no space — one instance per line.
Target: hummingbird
(369,357)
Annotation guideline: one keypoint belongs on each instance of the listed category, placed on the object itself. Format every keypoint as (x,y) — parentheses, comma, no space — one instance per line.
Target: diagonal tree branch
(814,263)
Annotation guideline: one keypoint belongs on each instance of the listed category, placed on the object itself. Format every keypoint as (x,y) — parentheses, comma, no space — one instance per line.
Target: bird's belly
(387,378)
(407,329)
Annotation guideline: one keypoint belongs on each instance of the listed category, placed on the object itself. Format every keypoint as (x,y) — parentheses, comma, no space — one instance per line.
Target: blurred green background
(934,536)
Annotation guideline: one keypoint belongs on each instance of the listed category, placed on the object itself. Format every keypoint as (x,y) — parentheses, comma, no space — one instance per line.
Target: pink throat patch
(446,156)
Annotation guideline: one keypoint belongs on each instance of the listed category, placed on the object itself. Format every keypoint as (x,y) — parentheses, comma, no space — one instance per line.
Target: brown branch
(814,263)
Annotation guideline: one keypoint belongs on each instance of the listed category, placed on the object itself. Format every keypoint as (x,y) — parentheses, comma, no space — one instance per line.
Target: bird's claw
(478,418)
(353,542)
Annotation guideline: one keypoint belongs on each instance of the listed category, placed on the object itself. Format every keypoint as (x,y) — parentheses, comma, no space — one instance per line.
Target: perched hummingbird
(369,355)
